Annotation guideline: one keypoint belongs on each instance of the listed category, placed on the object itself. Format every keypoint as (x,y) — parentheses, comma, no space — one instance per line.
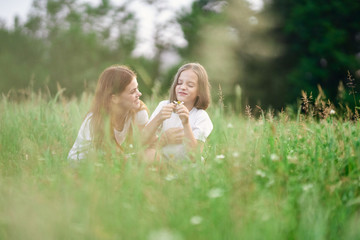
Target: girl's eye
(179,83)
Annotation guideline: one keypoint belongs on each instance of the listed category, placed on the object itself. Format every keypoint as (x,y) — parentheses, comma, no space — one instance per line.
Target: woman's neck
(119,118)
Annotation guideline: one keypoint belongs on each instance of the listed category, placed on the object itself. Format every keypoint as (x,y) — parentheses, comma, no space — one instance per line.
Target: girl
(117,103)
(183,122)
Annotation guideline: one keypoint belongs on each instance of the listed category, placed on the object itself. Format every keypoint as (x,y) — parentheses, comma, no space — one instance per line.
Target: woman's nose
(139,93)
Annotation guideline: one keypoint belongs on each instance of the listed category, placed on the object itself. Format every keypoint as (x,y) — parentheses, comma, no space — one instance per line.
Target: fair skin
(124,102)
(186,91)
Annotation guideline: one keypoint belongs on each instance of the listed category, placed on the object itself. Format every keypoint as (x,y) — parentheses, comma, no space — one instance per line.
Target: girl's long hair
(113,80)
(204,98)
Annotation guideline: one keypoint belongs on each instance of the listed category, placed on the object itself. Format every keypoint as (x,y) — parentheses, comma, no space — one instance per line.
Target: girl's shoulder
(164,102)
(200,113)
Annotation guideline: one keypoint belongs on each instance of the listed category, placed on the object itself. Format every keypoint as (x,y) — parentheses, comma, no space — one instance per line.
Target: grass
(261,179)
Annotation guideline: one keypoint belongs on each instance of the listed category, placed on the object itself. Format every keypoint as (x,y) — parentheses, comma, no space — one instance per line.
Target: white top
(200,123)
(83,142)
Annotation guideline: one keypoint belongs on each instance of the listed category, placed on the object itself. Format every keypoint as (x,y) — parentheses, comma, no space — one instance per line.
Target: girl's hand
(183,113)
(172,136)
(166,111)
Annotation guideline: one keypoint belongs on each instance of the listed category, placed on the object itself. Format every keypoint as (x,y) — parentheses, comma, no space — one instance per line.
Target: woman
(182,120)
(116,108)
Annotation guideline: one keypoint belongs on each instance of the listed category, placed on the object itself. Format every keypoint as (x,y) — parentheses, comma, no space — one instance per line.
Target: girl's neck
(189,106)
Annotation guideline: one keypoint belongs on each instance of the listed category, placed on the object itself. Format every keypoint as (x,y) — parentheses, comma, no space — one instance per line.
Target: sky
(148,18)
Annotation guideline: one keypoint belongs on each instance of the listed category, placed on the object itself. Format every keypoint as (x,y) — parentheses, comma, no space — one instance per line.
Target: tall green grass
(256,179)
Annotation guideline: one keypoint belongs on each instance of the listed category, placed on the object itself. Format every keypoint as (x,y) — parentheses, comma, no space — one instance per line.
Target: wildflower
(164,234)
(307,187)
(219,158)
(196,220)
(170,177)
(235,154)
(215,193)
(230,125)
(260,173)
(178,102)
(274,157)
(332,112)
(292,159)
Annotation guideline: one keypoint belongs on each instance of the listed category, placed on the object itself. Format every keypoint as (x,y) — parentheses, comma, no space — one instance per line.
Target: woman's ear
(114,99)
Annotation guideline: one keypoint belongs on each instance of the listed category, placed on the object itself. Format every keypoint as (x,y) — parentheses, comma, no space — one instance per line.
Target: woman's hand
(166,111)
(172,136)
(183,113)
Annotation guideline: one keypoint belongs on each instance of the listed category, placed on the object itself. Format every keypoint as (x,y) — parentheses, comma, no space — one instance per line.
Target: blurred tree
(322,42)
(275,53)
(19,59)
(66,42)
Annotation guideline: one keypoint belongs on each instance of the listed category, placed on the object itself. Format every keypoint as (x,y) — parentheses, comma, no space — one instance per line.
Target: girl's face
(187,88)
(130,98)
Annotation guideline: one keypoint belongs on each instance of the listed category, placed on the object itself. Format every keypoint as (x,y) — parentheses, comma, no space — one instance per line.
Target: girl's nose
(139,93)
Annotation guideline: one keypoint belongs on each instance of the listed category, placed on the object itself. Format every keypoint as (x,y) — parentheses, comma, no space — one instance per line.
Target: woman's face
(130,98)
(187,87)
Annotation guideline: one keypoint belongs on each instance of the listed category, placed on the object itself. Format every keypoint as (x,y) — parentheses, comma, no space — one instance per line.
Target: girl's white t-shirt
(200,123)
(83,142)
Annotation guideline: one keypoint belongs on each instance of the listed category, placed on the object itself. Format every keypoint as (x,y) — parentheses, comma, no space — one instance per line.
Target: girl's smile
(187,88)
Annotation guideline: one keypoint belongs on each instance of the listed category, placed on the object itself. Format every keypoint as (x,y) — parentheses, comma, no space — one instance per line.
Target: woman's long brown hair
(113,80)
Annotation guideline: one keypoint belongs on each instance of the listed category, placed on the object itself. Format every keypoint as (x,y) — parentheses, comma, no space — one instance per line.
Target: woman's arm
(149,130)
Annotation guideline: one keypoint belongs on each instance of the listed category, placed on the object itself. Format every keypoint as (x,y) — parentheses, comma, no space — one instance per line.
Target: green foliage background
(256,57)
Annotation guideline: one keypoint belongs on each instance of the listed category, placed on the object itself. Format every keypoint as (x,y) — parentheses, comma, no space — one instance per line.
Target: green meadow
(275,177)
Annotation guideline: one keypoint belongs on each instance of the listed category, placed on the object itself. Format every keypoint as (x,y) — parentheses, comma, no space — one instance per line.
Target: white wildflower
(307,187)
(215,193)
(235,154)
(164,234)
(170,177)
(230,125)
(196,220)
(260,173)
(292,159)
(332,112)
(274,157)
(219,158)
